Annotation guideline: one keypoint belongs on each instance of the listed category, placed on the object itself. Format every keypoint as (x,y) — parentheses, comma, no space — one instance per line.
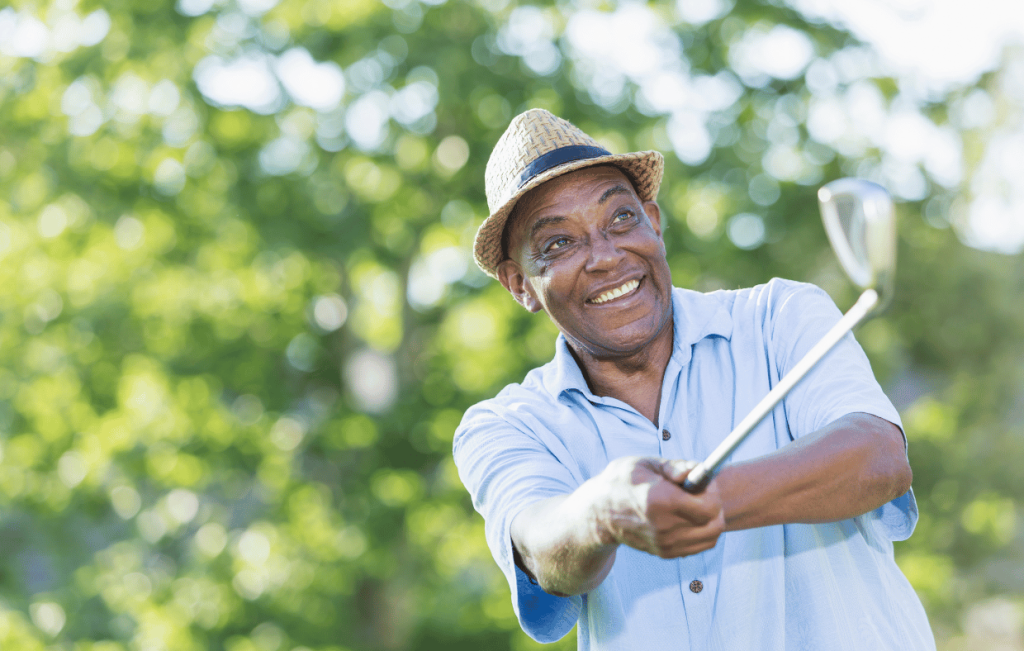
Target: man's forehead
(589,184)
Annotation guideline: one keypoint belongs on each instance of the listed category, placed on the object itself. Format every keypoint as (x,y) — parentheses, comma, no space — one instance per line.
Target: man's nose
(604,253)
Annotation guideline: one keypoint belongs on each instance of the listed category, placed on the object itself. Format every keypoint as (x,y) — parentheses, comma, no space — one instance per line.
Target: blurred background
(239,321)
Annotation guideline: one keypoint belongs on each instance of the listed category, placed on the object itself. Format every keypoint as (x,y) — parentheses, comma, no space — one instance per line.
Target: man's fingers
(690,550)
(683,548)
(667,498)
(698,509)
(688,540)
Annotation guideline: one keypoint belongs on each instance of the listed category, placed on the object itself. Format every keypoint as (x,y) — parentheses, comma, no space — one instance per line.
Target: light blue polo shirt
(795,586)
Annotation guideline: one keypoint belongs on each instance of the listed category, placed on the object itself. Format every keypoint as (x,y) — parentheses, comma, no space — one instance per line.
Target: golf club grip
(698,486)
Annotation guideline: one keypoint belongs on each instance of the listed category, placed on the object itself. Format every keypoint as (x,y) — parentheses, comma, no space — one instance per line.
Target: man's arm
(568,542)
(850,467)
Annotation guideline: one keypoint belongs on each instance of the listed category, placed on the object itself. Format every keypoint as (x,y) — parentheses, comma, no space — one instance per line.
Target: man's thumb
(676,469)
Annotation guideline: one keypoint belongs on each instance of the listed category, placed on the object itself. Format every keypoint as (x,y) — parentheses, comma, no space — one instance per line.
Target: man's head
(584,243)
(585,248)
(538,147)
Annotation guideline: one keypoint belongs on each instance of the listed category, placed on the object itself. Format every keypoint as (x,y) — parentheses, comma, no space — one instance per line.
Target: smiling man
(577,470)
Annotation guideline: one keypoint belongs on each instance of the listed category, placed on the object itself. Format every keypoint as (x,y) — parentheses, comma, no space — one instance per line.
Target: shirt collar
(694,316)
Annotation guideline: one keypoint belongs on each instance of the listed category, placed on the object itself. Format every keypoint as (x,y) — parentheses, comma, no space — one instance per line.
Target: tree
(241,322)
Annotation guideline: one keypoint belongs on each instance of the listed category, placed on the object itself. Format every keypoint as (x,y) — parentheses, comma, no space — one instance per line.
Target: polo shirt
(794,586)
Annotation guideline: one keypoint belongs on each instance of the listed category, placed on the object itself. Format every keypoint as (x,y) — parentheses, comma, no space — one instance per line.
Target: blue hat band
(559,156)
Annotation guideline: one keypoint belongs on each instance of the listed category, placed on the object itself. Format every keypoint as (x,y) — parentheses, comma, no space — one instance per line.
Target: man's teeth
(617,292)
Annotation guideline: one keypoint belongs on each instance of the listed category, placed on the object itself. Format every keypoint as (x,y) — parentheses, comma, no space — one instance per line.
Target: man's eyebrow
(611,192)
(542,222)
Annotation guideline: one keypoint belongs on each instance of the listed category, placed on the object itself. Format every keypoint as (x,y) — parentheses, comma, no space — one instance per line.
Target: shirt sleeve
(506,468)
(842,383)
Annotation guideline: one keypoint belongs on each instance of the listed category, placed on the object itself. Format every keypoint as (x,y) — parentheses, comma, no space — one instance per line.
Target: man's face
(586,249)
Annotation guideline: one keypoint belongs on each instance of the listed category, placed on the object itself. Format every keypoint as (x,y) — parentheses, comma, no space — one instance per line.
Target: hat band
(558,156)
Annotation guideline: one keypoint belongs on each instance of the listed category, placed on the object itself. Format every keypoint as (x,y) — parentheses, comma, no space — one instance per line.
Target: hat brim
(645,169)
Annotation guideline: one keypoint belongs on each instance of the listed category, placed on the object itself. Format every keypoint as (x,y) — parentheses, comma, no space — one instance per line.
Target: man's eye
(557,244)
(625,215)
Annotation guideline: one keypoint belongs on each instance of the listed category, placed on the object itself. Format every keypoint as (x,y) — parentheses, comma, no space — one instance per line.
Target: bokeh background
(239,321)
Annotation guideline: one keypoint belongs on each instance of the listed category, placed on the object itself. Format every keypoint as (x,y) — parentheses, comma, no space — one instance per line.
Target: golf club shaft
(699,477)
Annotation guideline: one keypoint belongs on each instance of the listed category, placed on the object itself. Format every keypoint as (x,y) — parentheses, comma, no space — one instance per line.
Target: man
(577,471)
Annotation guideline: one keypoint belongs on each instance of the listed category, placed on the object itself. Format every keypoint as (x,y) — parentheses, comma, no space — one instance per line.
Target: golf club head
(860,222)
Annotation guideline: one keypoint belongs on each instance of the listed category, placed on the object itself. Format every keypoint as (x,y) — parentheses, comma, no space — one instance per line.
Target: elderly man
(577,470)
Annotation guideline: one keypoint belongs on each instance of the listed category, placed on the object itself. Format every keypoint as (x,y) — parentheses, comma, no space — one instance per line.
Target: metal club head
(861,225)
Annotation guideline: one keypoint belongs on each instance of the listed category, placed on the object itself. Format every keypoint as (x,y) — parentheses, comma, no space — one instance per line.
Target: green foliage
(228,393)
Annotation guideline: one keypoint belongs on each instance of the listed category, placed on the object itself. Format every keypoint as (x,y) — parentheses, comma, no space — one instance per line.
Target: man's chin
(623,343)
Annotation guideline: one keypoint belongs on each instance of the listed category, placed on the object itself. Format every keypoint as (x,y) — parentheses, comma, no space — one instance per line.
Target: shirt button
(665,435)
(696,586)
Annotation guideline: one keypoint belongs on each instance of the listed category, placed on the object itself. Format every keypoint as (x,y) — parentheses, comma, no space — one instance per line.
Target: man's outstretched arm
(849,467)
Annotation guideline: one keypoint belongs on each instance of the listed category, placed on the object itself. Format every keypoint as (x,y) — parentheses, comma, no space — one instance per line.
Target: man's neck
(635,379)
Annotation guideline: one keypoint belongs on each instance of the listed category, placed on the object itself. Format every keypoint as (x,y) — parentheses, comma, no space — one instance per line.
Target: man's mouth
(626,288)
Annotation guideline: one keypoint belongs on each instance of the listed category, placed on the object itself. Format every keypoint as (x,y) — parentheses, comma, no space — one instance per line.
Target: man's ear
(653,211)
(511,277)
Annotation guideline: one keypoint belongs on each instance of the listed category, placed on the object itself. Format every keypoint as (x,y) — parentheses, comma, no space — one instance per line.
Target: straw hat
(535,148)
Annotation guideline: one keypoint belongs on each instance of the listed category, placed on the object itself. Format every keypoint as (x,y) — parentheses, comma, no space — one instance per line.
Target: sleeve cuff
(544,617)
(898,518)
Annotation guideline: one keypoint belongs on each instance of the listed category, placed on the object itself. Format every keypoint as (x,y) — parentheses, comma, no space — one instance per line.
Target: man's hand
(641,504)
(568,542)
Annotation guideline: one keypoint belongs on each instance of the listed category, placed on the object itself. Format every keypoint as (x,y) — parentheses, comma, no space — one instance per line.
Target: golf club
(861,226)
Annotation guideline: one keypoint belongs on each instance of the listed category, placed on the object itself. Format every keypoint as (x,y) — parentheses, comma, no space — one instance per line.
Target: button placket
(699,576)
